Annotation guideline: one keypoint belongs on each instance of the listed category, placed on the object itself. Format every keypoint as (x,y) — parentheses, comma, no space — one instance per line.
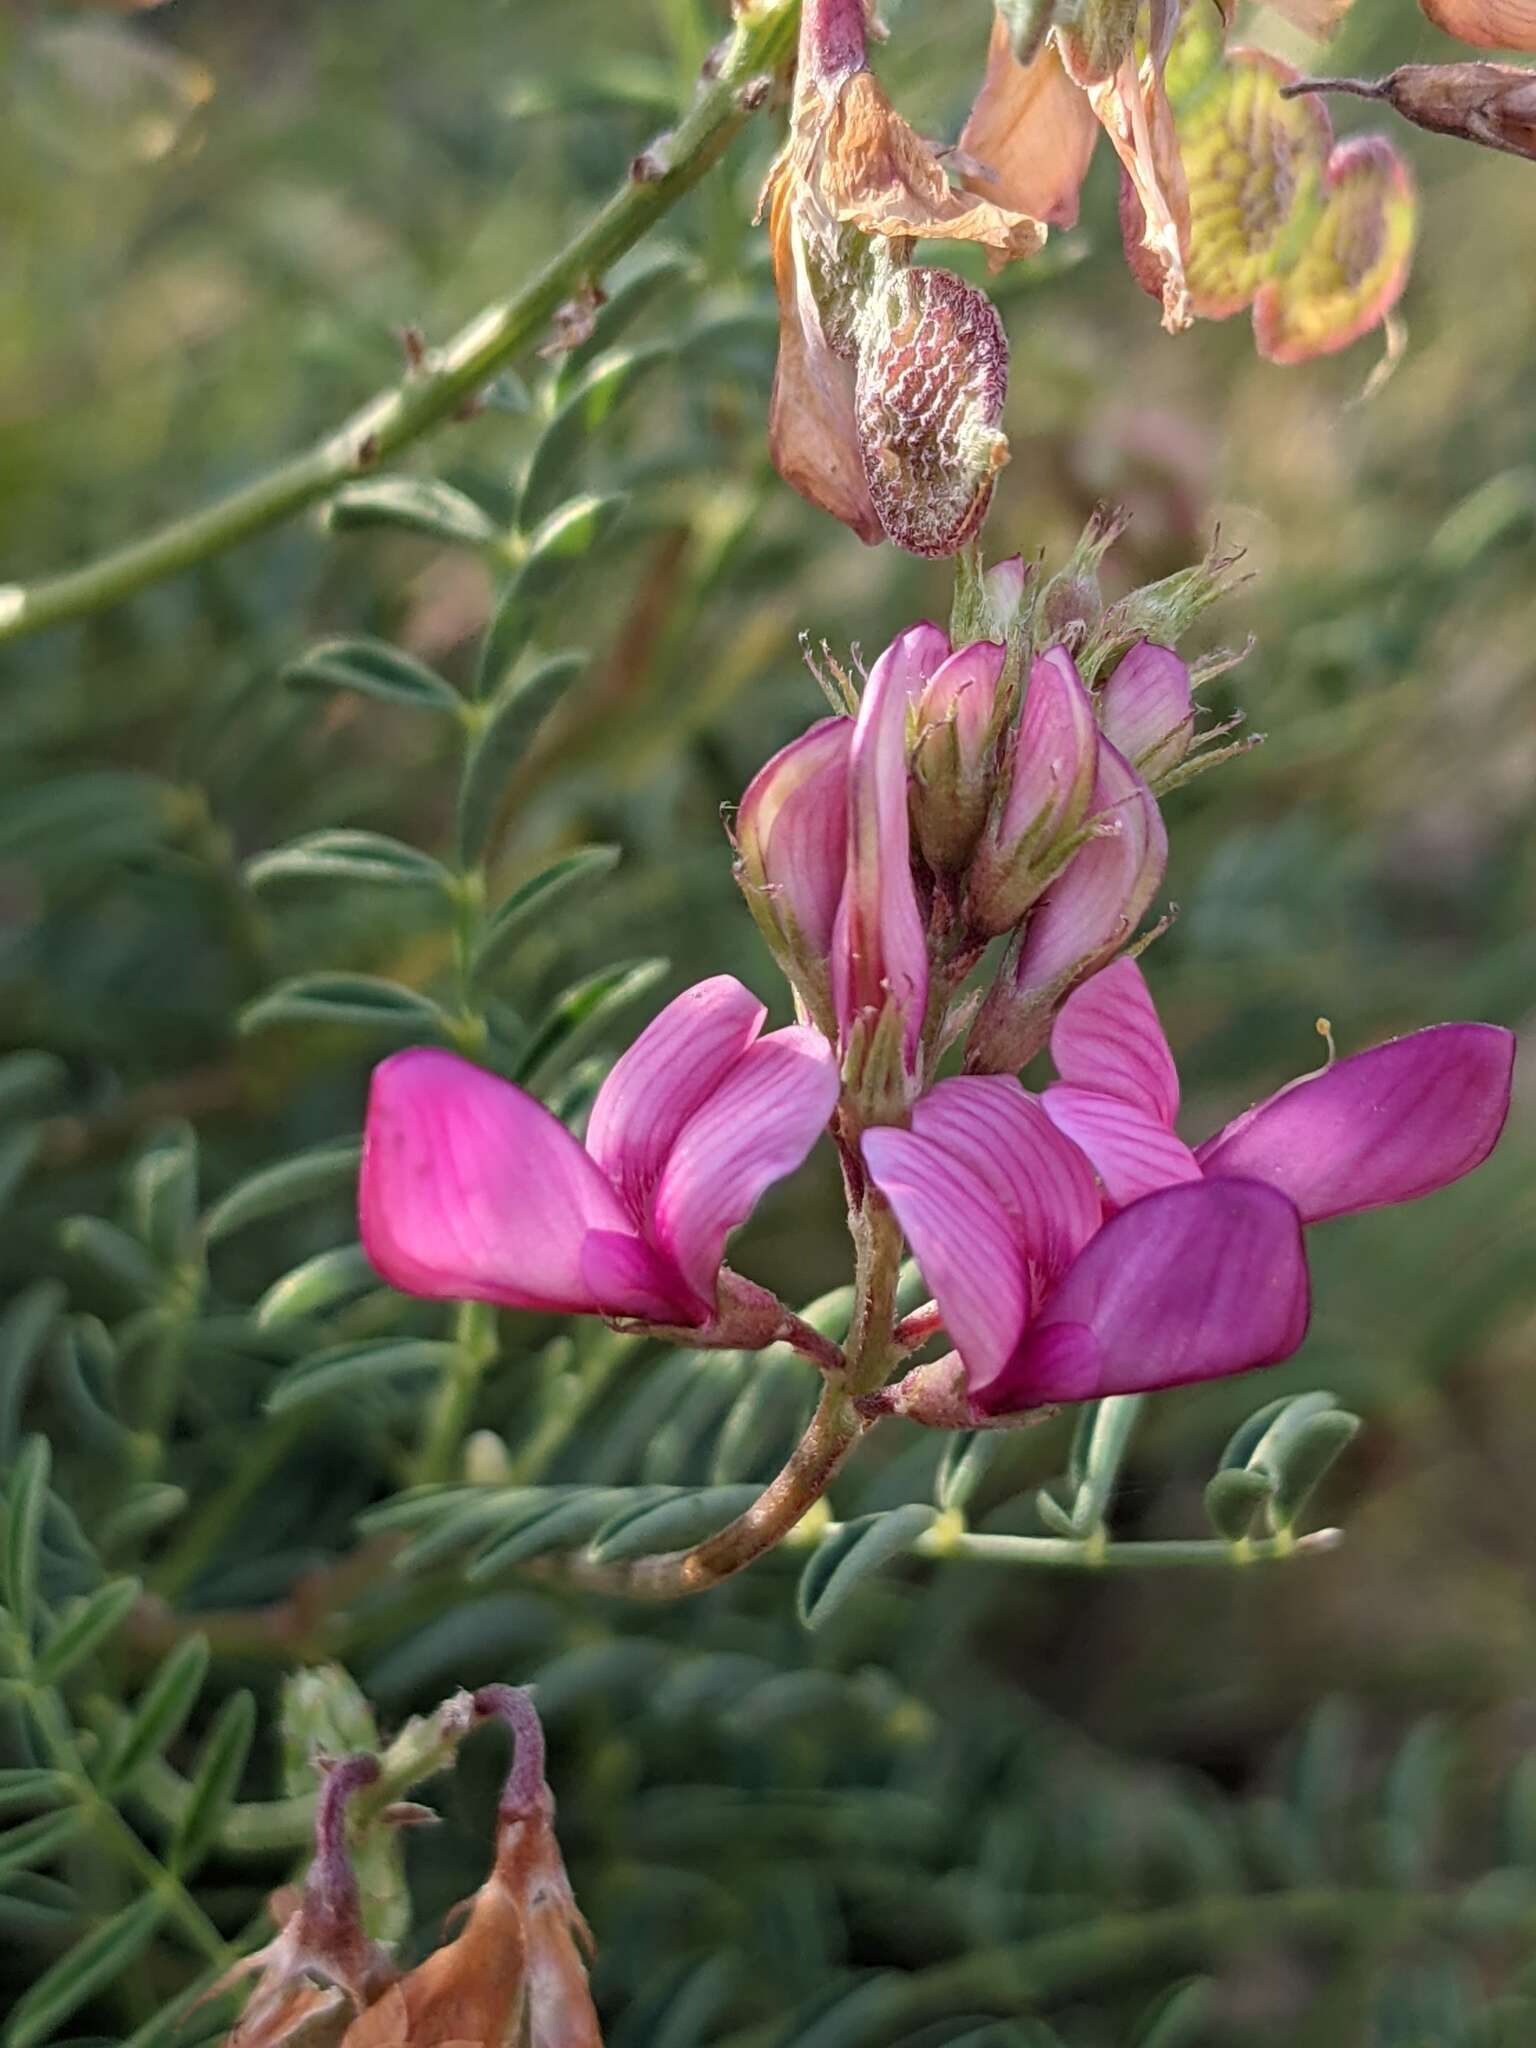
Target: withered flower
(1490,104)
(515,1973)
(1032,130)
(321,1967)
(889,389)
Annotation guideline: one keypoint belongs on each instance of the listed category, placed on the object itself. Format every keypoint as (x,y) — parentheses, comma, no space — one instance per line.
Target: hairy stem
(831,1434)
(437,391)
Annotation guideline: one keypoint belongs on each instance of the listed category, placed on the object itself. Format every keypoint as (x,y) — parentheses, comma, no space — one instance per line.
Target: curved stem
(450,376)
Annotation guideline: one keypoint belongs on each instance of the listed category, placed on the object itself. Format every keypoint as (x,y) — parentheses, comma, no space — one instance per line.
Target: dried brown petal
(1032,132)
(1491,24)
(932,378)
(812,433)
(1154,209)
(874,172)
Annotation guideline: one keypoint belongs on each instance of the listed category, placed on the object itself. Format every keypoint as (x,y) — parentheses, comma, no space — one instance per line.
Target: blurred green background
(217,219)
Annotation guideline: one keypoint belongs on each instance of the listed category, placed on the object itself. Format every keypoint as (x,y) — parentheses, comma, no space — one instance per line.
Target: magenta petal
(757,1126)
(1132,1153)
(987,1123)
(878,948)
(1107,1036)
(964,1242)
(1106,888)
(1147,710)
(675,1064)
(472,1191)
(964,689)
(1190,1284)
(792,829)
(1383,1126)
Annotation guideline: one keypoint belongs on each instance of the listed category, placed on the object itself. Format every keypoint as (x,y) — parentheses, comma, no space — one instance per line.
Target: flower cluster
(976,803)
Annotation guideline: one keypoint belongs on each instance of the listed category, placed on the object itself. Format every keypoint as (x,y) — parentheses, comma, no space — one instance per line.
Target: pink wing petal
(1107,1036)
(676,1063)
(757,1126)
(1192,1283)
(878,947)
(1383,1126)
(472,1191)
(987,1123)
(964,1242)
(1132,1153)
(1104,892)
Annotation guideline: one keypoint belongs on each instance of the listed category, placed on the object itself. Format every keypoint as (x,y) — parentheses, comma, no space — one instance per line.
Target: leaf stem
(436,392)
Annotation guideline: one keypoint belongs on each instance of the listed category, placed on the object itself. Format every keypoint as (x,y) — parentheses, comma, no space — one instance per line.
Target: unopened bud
(1081,922)
(1147,711)
(1071,605)
(791,836)
(952,762)
(1046,785)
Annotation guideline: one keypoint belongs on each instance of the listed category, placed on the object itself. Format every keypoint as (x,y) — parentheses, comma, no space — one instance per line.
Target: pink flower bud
(791,836)
(1049,778)
(1083,919)
(1146,709)
(955,754)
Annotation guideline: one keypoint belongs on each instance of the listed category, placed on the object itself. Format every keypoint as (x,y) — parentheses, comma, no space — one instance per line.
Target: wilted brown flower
(515,1973)
(889,388)
(1032,129)
(321,1967)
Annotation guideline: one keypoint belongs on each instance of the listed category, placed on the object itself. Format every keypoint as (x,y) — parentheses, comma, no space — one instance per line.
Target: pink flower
(1382,1126)
(471,1190)
(1042,1302)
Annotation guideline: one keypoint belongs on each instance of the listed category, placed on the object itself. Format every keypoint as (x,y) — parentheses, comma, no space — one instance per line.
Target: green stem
(474,1329)
(452,375)
(1094,1554)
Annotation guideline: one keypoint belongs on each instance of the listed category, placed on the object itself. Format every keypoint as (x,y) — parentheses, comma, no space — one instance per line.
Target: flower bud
(1146,709)
(1071,605)
(952,762)
(791,836)
(1083,919)
(1047,783)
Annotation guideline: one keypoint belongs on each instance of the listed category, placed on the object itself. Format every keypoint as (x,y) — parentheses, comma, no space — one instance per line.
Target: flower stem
(474,1330)
(437,391)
